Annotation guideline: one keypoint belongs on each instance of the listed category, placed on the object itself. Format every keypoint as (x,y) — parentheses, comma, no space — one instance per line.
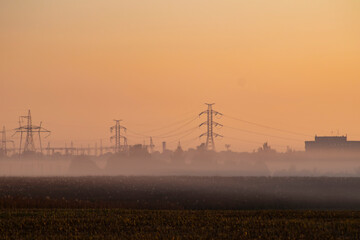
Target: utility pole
(72,148)
(29,129)
(117,128)
(125,147)
(66,150)
(96,149)
(3,147)
(152,146)
(48,149)
(210,123)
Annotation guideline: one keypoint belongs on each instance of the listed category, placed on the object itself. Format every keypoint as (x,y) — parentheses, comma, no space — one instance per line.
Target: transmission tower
(117,128)
(29,129)
(4,141)
(210,123)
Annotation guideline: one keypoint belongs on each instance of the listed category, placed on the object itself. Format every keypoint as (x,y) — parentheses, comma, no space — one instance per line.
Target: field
(232,193)
(179,208)
(177,224)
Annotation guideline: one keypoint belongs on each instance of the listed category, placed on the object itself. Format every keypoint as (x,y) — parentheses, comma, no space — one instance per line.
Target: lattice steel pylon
(117,128)
(210,123)
(29,129)
(4,141)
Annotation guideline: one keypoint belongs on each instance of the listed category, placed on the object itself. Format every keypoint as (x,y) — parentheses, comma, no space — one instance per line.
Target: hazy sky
(292,65)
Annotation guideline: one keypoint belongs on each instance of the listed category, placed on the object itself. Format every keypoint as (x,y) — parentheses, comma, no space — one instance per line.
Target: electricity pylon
(4,141)
(29,129)
(210,123)
(117,128)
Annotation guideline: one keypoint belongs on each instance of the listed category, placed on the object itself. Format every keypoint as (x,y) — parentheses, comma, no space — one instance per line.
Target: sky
(287,69)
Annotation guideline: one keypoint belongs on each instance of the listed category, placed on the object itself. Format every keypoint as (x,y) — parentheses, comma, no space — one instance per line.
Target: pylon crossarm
(217,124)
(218,135)
(19,128)
(203,113)
(17,131)
(202,135)
(202,124)
(44,131)
(40,129)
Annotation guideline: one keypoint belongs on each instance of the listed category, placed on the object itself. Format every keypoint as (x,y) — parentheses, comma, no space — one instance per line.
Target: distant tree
(227,146)
(266,149)
(202,147)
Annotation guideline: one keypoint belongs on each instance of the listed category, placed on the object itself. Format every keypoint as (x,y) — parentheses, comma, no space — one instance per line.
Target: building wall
(326,143)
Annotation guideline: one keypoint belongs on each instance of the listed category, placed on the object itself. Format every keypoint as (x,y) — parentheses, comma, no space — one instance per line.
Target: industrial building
(335,143)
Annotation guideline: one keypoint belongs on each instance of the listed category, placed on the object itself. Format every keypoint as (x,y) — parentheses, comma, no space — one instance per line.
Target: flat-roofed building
(326,143)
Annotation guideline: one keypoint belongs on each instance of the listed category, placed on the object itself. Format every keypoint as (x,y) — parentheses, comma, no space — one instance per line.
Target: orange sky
(293,65)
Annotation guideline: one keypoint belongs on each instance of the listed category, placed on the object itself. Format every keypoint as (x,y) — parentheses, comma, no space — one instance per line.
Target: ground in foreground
(177,224)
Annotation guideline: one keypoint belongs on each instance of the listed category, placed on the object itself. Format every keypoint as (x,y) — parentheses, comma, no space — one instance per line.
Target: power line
(185,141)
(139,134)
(185,135)
(187,132)
(262,134)
(247,141)
(165,135)
(169,125)
(177,129)
(131,135)
(177,134)
(268,127)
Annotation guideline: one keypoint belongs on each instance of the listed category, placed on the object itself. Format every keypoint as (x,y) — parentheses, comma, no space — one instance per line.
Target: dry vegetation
(232,193)
(179,208)
(177,224)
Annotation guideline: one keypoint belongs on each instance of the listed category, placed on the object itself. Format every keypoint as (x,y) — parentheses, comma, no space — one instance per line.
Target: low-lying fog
(181,192)
(199,163)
